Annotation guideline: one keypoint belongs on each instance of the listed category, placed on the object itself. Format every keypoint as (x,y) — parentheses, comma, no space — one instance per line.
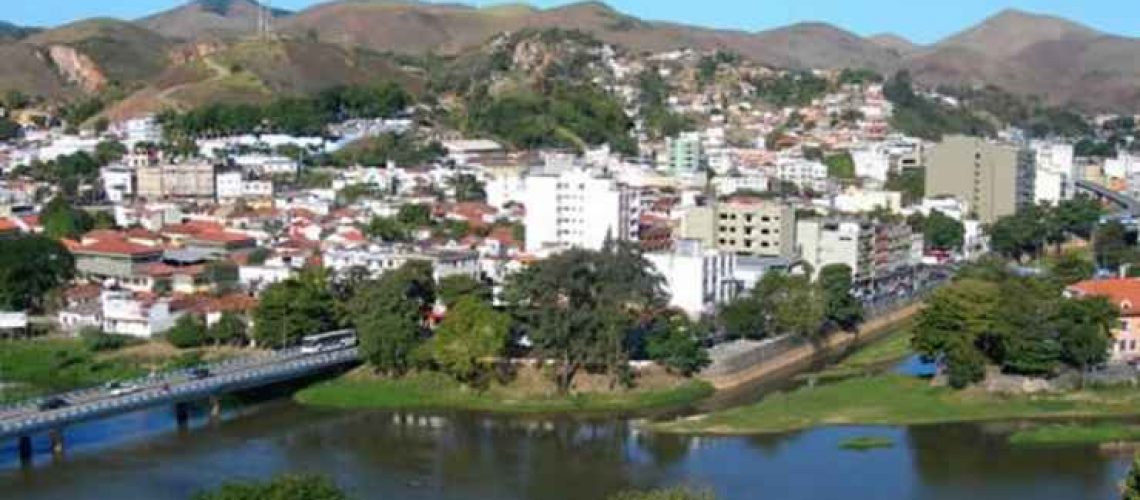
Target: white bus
(331,341)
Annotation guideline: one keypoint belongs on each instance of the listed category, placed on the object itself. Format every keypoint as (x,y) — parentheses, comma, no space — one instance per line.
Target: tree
(840,165)
(229,329)
(30,268)
(791,305)
(678,347)
(1019,235)
(744,318)
(292,309)
(187,332)
(910,182)
(469,339)
(389,316)
(287,487)
(454,288)
(579,307)
(1130,487)
(1072,267)
(413,215)
(60,220)
(840,306)
(943,232)
(678,493)
(1113,246)
(9,130)
(954,321)
(468,188)
(1086,332)
(387,229)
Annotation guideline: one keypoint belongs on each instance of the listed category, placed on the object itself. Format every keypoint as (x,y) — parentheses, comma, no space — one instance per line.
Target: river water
(465,456)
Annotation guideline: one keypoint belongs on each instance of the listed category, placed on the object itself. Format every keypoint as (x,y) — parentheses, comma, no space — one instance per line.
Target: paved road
(169,388)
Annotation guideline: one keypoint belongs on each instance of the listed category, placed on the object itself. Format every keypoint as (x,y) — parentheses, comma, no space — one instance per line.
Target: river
(466,456)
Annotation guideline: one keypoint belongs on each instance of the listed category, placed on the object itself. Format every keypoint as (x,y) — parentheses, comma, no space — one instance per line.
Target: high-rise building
(876,251)
(685,153)
(577,207)
(1055,172)
(993,178)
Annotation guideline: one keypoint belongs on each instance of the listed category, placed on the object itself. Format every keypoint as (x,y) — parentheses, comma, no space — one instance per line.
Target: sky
(922,21)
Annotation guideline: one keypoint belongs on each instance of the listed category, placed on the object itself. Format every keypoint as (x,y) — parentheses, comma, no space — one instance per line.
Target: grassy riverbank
(1073,434)
(868,359)
(34,367)
(437,391)
(899,400)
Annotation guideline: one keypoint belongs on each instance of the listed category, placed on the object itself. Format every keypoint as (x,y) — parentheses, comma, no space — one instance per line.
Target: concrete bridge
(177,389)
(1128,205)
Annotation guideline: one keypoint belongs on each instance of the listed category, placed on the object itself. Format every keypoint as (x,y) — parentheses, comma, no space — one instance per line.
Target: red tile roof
(8,226)
(116,247)
(1122,292)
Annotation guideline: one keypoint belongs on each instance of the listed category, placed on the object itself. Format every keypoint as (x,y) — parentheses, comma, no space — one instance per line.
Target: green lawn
(869,358)
(437,391)
(1070,434)
(891,399)
(58,364)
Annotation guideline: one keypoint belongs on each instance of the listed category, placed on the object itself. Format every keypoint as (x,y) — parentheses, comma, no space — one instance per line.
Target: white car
(122,388)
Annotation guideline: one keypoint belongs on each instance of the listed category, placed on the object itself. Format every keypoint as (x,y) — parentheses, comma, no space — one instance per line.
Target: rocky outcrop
(195,51)
(77,68)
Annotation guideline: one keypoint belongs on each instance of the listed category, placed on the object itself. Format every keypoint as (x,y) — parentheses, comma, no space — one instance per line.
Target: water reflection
(463,456)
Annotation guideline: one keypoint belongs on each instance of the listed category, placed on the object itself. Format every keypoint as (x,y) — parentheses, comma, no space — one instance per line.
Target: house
(138,315)
(105,255)
(1124,293)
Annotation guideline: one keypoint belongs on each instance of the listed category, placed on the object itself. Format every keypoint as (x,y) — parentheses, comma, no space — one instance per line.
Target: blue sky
(920,20)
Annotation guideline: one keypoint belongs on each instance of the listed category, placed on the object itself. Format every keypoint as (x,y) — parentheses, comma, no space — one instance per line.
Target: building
(685,153)
(194,180)
(143,316)
(1124,293)
(118,182)
(1055,175)
(380,259)
(994,178)
(744,225)
(114,259)
(576,207)
(879,253)
(806,174)
(696,278)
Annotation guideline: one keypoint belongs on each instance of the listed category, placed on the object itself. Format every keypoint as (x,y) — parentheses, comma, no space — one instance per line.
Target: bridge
(1128,205)
(178,389)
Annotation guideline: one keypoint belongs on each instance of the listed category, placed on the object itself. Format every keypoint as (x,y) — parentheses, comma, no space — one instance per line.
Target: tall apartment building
(685,153)
(1055,175)
(177,180)
(577,207)
(994,178)
(744,226)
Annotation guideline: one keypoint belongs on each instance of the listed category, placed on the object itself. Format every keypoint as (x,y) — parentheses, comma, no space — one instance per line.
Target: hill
(94,54)
(209,18)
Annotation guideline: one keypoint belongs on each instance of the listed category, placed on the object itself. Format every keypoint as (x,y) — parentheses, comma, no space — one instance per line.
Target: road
(170,388)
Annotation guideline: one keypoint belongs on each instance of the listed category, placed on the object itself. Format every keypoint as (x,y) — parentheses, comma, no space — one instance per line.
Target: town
(551,223)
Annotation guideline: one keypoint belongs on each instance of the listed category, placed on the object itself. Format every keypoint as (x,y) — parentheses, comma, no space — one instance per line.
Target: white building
(125,314)
(118,182)
(380,259)
(1056,172)
(576,207)
(856,200)
(1121,167)
(872,161)
(825,242)
(697,279)
(806,174)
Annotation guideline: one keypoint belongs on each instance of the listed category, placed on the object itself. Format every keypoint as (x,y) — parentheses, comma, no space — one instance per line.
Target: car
(53,403)
(198,372)
(122,388)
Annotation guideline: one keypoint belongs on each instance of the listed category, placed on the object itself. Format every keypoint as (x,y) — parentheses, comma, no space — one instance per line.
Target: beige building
(744,226)
(993,178)
(176,180)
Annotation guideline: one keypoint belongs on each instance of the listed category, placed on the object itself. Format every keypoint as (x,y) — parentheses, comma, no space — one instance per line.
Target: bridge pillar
(56,436)
(215,408)
(26,451)
(182,414)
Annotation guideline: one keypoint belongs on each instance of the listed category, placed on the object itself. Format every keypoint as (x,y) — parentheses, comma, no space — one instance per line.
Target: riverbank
(787,363)
(892,399)
(528,393)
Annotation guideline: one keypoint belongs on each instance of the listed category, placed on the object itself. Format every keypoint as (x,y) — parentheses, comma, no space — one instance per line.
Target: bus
(330,341)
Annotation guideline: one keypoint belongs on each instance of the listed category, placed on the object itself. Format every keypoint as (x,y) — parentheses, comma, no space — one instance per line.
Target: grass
(437,391)
(892,399)
(867,359)
(867,443)
(60,364)
(1073,434)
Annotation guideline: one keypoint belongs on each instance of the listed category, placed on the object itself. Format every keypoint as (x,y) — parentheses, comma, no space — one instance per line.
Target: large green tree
(469,340)
(60,220)
(677,345)
(30,268)
(841,308)
(389,316)
(943,232)
(287,487)
(294,308)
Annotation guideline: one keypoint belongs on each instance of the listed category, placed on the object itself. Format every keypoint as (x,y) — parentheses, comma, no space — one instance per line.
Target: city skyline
(919,22)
